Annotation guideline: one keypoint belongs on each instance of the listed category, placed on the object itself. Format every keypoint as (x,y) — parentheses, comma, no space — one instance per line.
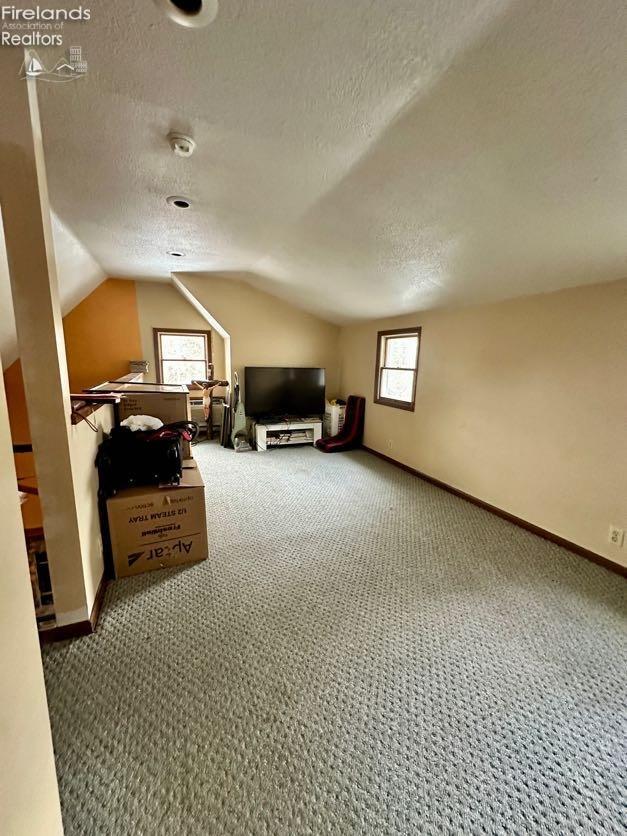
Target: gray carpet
(362,654)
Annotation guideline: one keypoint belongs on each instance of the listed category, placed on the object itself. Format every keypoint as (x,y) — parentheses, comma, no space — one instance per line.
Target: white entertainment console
(284,433)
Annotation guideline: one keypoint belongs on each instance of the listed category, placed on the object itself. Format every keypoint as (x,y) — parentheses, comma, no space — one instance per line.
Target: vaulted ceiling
(78,275)
(359,157)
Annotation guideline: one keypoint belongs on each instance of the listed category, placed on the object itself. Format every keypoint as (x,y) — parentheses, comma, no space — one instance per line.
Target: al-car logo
(162,552)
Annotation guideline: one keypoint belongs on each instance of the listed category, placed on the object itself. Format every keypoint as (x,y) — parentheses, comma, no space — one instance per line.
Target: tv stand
(273,432)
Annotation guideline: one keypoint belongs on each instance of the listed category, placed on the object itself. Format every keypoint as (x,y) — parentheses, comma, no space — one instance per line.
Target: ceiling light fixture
(179,202)
(182,145)
(176,253)
(190,13)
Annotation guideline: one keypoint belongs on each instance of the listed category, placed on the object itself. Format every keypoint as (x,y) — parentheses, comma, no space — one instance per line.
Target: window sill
(408,406)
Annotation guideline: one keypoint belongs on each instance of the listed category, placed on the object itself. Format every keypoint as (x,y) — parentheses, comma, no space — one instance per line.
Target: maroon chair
(352,432)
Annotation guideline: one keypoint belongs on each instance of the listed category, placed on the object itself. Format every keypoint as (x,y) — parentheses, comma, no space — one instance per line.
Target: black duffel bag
(127,458)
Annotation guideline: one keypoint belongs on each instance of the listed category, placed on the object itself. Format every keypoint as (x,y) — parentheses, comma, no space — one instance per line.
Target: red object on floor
(352,432)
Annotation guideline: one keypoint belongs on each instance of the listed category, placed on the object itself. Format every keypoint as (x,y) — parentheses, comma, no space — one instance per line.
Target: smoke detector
(182,145)
(191,13)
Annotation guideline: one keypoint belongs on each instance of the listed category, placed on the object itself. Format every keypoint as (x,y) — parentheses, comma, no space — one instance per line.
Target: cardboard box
(168,407)
(158,527)
(167,401)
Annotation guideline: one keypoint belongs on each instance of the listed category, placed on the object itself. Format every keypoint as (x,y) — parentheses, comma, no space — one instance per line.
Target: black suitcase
(128,459)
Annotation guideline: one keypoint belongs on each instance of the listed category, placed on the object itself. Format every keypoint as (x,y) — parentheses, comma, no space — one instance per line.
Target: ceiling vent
(191,13)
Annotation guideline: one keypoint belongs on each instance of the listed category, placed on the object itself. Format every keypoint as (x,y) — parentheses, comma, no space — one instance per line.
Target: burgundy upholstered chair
(351,434)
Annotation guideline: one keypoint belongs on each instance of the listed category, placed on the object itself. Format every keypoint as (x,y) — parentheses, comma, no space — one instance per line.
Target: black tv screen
(273,391)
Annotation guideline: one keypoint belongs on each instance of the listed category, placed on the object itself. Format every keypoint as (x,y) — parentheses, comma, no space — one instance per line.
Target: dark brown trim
(98,602)
(22,448)
(534,529)
(409,407)
(27,488)
(33,534)
(414,330)
(395,332)
(67,631)
(157,347)
(80,628)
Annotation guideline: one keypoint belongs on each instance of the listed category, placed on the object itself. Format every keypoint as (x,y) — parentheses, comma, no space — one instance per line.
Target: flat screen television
(271,391)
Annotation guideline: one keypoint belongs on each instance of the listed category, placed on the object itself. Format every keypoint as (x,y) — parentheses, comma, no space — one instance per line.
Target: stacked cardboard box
(169,402)
(157,527)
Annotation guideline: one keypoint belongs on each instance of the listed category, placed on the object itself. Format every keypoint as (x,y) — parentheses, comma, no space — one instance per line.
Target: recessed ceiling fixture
(179,202)
(190,13)
(176,253)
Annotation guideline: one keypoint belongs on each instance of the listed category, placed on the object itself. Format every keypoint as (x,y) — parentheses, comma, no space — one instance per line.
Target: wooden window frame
(181,332)
(414,331)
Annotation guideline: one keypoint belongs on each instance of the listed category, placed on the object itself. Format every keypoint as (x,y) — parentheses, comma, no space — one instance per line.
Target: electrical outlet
(390,444)
(616,535)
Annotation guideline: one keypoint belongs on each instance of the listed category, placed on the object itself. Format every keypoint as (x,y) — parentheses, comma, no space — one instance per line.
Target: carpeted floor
(361,654)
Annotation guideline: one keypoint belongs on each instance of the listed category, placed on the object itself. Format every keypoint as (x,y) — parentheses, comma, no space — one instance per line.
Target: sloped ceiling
(358,157)
(78,276)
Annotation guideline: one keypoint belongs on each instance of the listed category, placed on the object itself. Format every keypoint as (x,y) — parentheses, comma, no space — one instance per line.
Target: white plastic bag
(141,422)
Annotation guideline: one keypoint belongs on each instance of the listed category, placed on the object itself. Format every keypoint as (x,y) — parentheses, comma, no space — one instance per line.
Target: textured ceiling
(354,156)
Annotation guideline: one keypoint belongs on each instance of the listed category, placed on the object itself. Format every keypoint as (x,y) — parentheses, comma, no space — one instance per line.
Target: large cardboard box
(168,406)
(158,527)
(167,401)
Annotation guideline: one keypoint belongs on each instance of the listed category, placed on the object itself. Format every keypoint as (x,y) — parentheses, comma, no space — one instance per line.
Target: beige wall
(35,292)
(160,305)
(84,444)
(521,403)
(266,331)
(29,800)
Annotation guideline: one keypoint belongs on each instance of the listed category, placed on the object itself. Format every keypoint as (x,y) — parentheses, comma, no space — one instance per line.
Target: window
(182,356)
(397,367)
